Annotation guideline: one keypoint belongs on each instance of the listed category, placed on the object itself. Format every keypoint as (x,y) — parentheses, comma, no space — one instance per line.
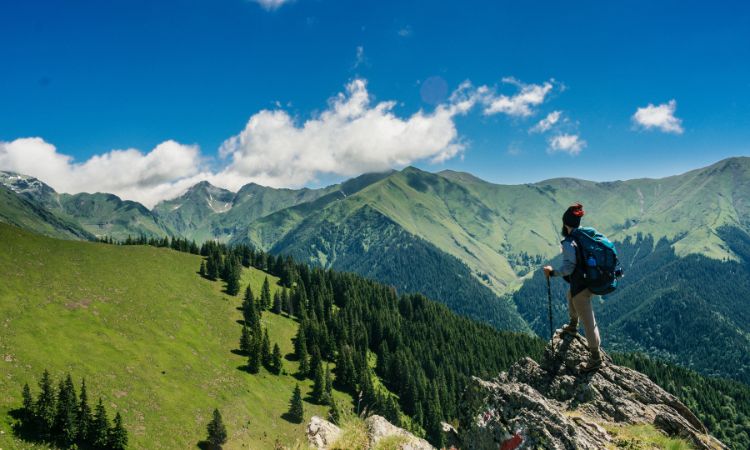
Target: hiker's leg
(571,308)
(582,304)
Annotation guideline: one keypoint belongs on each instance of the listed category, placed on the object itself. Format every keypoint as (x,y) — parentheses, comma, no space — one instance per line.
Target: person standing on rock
(579,296)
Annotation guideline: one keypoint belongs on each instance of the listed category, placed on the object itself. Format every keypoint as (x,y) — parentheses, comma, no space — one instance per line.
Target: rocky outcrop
(322,434)
(554,405)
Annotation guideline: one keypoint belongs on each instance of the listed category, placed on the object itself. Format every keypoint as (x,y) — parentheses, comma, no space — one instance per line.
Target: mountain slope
(99,214)
(21,212)
(150,336)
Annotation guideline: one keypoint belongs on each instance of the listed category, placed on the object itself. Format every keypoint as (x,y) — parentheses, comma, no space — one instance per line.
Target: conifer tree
(304,361)
(45,406)
(277,303)
(319,385)
(83,415)
(28,404)
(276,359)
(255,359)
(296,408)
(249,309)
(245,341)
(202,270)
(329,386)
(265,350)
(65,414)
(265,295)
(233,283)
(212,266)
(100,427)
(118,436)
(217,432)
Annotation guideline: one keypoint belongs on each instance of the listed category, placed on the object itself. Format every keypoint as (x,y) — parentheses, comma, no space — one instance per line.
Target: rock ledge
(553,405)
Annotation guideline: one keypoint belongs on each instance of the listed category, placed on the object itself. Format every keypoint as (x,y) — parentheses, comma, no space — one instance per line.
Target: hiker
(579,296)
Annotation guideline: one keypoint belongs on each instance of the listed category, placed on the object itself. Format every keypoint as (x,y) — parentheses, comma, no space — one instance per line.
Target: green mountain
(98,214)
(206,212)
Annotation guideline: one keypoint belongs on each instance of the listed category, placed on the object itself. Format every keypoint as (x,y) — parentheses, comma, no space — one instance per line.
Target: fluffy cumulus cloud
(547,123)
(353,134)
(271,4)
(660,117)
(571,144)
(145,177)
(520,104)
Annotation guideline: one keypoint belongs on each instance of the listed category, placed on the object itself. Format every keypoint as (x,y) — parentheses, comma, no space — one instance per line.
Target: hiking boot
(571,329)
(595,362)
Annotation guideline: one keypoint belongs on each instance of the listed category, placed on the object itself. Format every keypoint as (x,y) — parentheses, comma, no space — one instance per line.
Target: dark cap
(573,214)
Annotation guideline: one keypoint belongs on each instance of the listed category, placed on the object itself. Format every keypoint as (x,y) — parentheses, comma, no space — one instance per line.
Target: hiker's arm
(569,261)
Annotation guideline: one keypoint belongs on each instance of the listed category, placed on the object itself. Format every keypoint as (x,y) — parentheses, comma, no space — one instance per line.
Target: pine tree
(245,341)
(277,303)
(45,406)
(83,415)
(233,285)
(212,266)
(329,386)
(28,404)
(100,427)
(319,385)
(217,432)
(255,358)
(249,309)
(276,360)
(265,295)
(202,270)
(296,408)
(118,436)
(265,350)
(65,414)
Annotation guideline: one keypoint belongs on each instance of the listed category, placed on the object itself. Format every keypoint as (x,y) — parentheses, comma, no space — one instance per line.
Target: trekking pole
(549,303)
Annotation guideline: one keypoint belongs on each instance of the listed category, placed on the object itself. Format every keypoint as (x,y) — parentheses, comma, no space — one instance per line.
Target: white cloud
(164,171)
(521,104)
(571,144)
(270,5)
(351,136)
(547,123)
(660,117)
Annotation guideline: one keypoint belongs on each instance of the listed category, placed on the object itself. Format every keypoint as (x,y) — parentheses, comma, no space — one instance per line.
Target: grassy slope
(150,336)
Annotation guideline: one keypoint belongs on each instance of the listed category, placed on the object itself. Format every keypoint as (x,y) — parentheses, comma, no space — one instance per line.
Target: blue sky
(92,77)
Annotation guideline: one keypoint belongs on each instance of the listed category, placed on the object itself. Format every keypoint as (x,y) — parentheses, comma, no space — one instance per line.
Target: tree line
(63,417)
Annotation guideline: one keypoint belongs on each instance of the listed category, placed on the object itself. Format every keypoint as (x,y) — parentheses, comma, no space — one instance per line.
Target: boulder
(322,433)
(378,428)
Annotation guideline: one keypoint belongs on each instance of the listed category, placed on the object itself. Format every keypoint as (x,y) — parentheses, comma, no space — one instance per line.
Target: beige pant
(579,307)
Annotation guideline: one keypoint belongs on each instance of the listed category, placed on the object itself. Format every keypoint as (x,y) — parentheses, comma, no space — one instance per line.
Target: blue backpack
(597,263)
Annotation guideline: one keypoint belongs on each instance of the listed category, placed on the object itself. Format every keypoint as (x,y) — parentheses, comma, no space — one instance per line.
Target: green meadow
(150,336)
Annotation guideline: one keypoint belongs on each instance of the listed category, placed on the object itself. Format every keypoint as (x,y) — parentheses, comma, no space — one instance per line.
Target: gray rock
(378,428)
(554,405)
(322,433)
